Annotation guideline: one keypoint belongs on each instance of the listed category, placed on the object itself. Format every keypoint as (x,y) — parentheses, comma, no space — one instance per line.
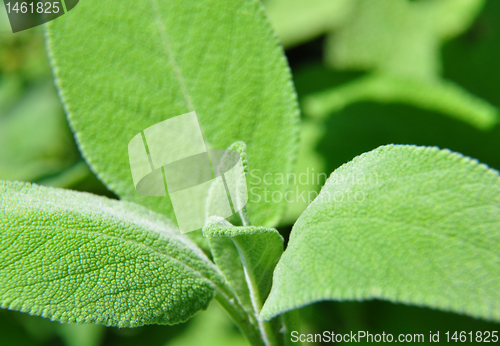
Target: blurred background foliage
(367,73)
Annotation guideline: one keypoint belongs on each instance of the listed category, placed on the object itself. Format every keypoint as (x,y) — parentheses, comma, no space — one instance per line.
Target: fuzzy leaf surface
(406,224)
(76,257)
(123,67)
(247,256)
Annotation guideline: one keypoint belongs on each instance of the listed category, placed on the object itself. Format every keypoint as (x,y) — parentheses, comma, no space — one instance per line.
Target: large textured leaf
(402,223)
(122,67)
(75,257)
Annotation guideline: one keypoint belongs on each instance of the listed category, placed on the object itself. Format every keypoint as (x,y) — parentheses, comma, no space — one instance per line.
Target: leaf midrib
(170,55)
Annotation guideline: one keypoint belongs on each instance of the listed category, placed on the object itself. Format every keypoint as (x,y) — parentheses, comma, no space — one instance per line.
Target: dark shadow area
(378,316)
(306,53)
(365,126)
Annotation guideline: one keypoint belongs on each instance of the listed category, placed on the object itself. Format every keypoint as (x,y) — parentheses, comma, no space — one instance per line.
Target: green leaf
(397,36)
(399,41)
(247,257)
(76,257)
(453,17)
(69,177)
(258,248)
(148,61)
(297,21)
(81,334)
(212,328)
(233,187)
(406,224)
(13,333)
(35,140)
(11,88)
(309,176)
(435,95)
(226,257)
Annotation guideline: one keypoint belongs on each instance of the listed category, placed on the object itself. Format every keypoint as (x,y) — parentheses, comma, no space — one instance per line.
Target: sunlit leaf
(407,224)
(76,257)
(120,71)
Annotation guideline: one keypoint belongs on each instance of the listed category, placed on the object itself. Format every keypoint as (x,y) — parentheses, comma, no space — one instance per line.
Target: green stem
(247,325)
(245,220)
(290,322)
(258,333)
(270,336)
(267,332)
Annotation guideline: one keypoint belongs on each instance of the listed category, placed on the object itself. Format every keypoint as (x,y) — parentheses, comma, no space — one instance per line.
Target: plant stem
(244,216)
(258,333)
(290,322)
(247,325)
(267,332)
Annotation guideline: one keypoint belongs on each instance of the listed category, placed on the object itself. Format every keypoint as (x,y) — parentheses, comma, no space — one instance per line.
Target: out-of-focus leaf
(399,36)
(10,92)
(435,95)
(362,126)
(309,174)
(34,137)
(78,177)
(40,331)
(297,21)
(394,36)
(22,54)
(81,334)
(399,41)
(376,316)
(472,59)
(402,223)
(211,328)
(154,60)
(69,177)
(13,333)
(453,17)
(76,257)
